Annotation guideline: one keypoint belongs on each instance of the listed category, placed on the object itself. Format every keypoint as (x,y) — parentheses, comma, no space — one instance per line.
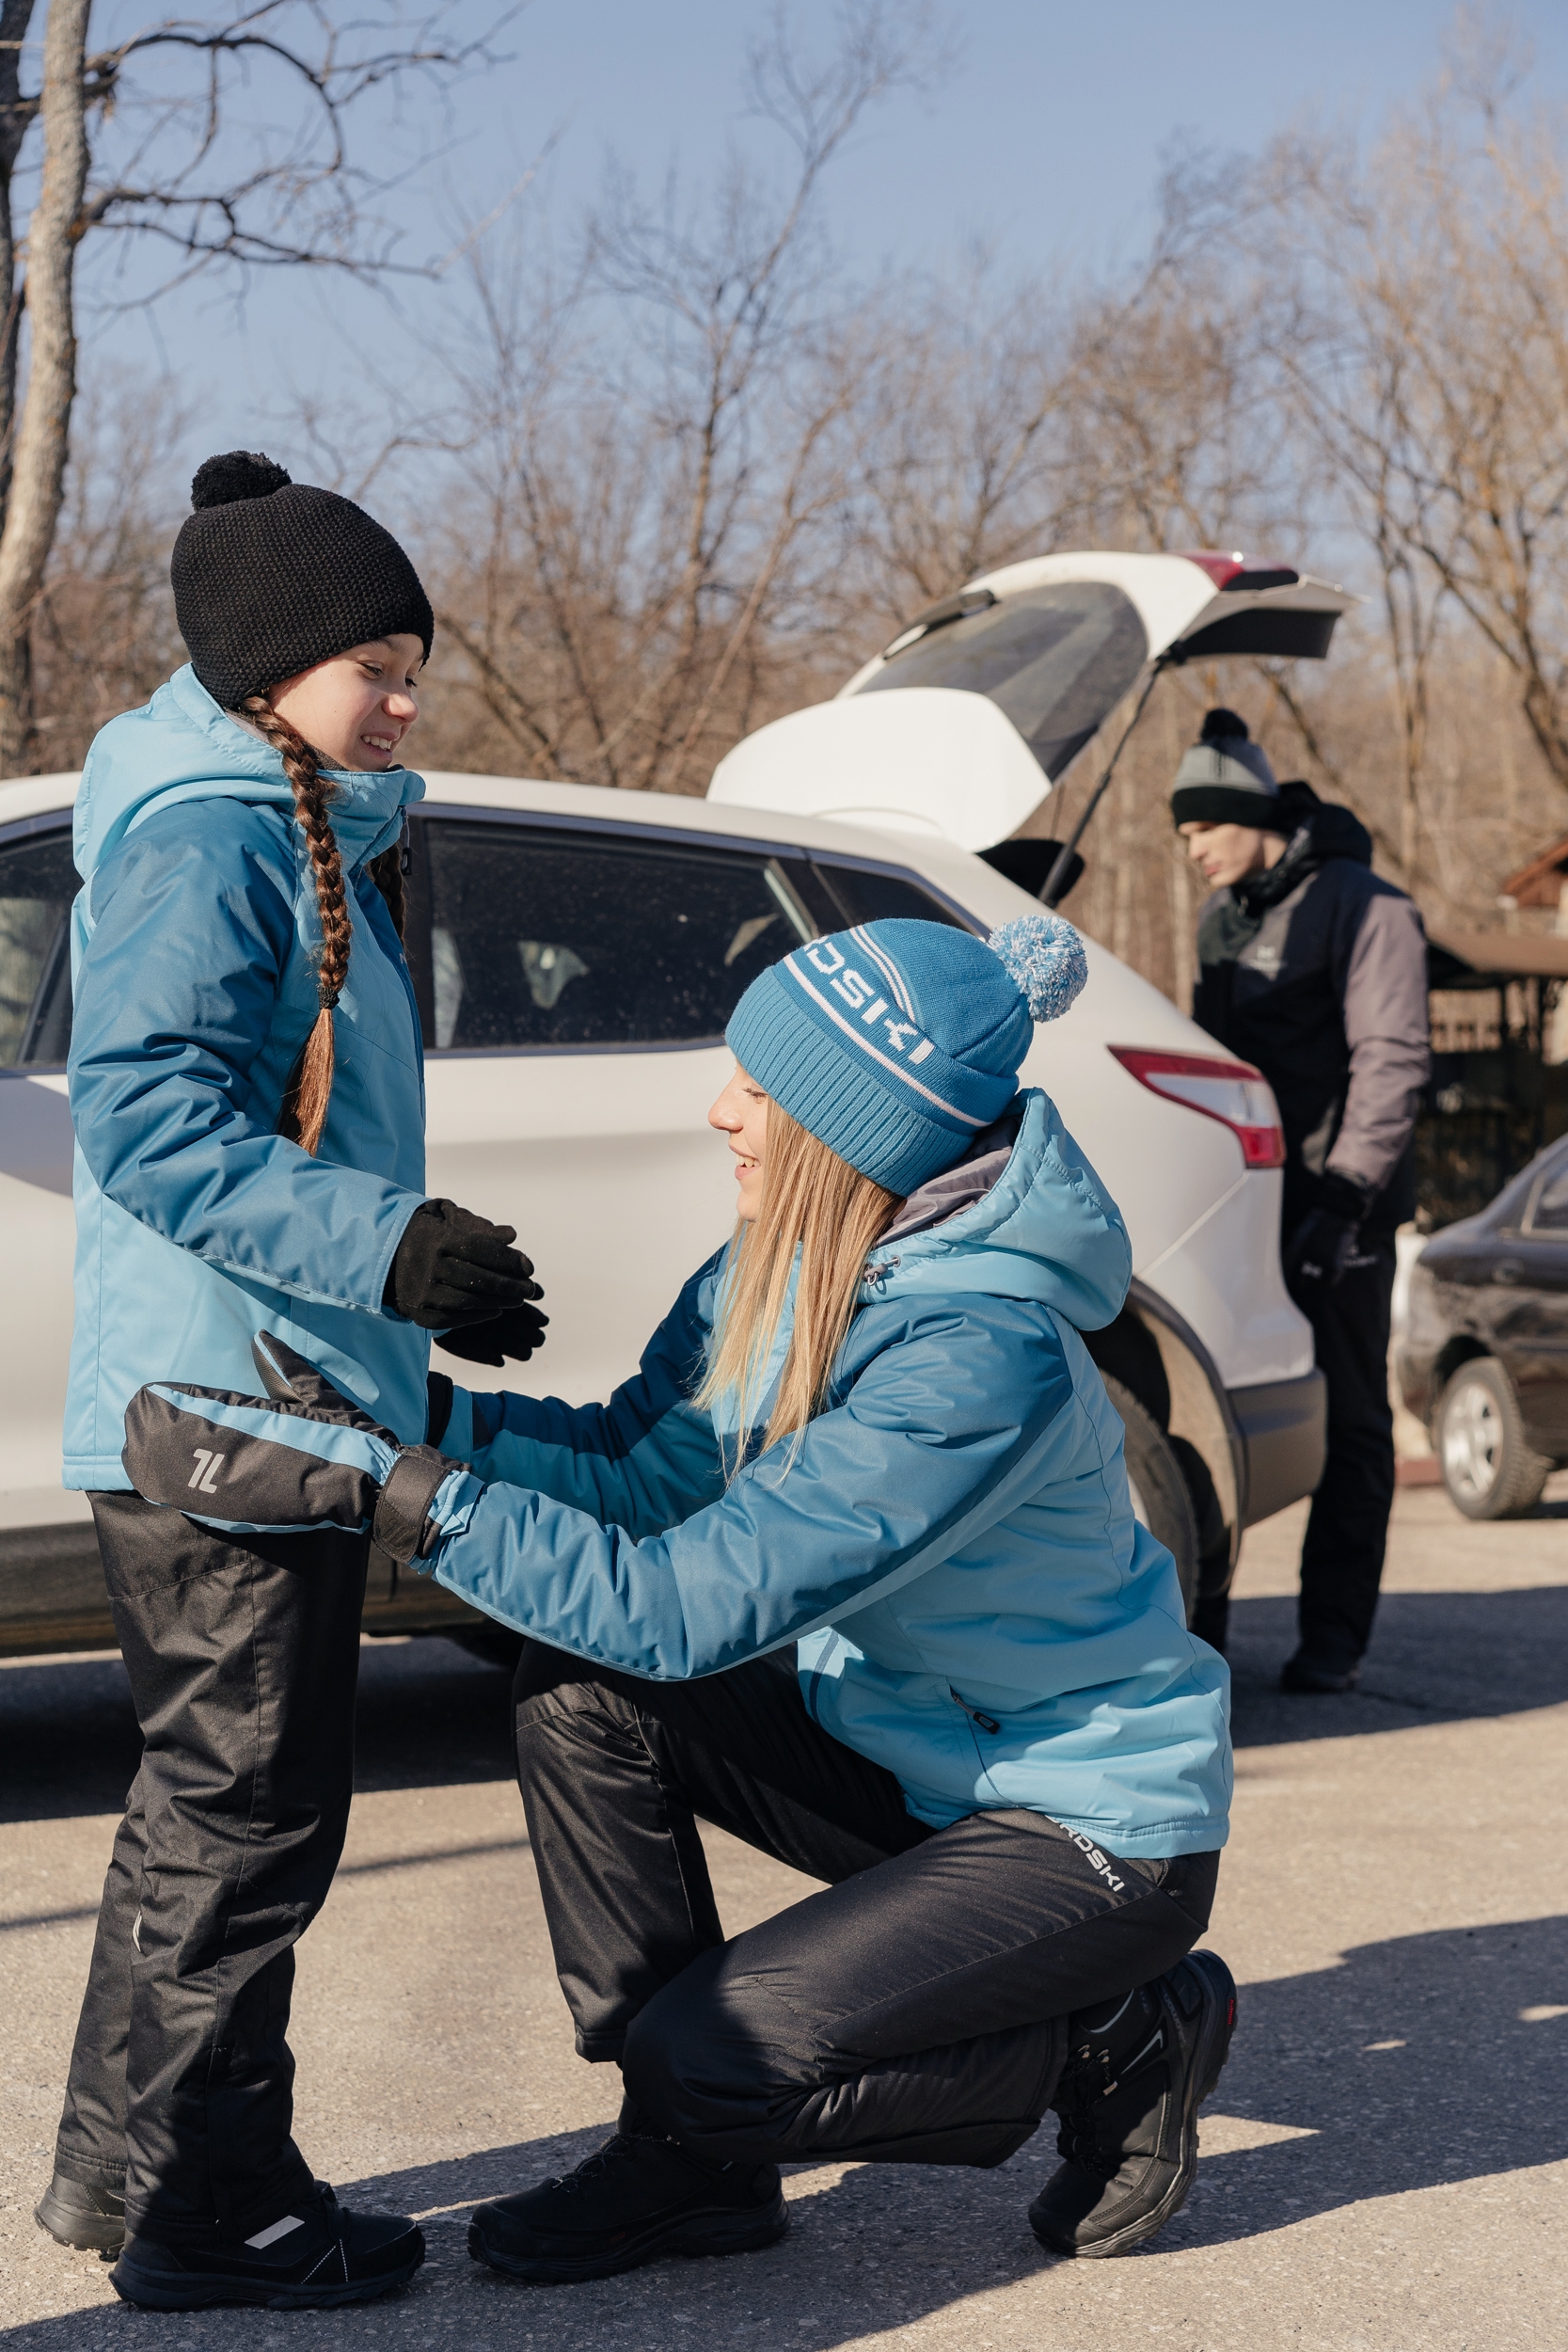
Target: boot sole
(700,2235)
(83,2232)
(200,2295)
(1214,2048)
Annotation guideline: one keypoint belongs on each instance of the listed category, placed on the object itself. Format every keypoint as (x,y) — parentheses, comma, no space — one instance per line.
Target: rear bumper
(1284,1432)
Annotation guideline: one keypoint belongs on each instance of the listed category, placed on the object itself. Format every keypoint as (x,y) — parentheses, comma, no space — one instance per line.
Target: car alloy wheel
(1472,1440)
(1490,1469)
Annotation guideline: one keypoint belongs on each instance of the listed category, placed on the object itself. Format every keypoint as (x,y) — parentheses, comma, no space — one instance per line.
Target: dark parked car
(1484,1357)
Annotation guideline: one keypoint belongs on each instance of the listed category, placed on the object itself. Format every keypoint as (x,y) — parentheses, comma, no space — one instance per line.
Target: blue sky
(1045,137)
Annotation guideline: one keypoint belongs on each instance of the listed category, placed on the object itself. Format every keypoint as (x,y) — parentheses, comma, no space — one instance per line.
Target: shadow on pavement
(429,1716)
(1434,1658)
(1430,2062)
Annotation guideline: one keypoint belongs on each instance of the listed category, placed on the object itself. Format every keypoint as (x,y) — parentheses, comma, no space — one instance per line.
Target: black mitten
(453,1267)
(515,1334)
(304,1455)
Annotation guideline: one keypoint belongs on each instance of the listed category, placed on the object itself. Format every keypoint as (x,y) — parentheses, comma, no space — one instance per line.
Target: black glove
(264,1463)
(517,1333)
(453,1267)
(1327,1239)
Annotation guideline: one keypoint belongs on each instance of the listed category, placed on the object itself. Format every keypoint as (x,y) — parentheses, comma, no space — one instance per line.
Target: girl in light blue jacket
(851,1569)
(247,1085)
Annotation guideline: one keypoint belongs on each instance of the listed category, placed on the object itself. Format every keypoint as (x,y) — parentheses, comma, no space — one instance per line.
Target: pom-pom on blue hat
(896,1043)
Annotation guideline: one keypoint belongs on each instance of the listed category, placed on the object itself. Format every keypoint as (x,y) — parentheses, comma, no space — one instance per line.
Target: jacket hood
(183,746)
(1046,1229)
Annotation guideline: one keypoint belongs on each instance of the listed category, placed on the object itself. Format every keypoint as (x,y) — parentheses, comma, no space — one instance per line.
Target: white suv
(576,955)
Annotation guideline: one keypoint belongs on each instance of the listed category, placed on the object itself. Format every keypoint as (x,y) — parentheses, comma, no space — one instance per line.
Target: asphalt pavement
(1384,2165)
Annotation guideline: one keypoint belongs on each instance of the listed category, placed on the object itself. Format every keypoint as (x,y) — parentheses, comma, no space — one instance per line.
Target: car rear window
(541,939)
(867,893)
(1056,659)
(38,883)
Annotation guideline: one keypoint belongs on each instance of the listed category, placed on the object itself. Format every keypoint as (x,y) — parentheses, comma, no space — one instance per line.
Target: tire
(492,1645)
(1490,1469)
(1159,1494)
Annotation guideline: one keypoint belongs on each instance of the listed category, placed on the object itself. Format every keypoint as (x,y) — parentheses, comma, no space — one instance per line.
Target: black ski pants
(243,1658)
(1341,1556)
(915,2013)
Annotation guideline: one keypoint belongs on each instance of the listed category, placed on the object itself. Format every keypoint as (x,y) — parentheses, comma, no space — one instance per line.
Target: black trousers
(1341,1556)
(915,2013)
(243,1659)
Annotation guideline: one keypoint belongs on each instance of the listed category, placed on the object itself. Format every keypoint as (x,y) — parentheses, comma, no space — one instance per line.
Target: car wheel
(1159,1494)
(1490,1469)
(492,1645)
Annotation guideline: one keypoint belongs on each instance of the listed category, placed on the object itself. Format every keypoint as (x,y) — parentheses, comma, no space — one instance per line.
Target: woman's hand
(304,1455)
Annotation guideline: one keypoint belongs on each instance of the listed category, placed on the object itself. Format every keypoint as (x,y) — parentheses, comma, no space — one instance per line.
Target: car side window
(1549,1211)
(38,883)
(541,938)
(864,893)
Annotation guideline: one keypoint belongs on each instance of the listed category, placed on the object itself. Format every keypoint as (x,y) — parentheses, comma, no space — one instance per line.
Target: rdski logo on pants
(1099,1860)
(204,1478)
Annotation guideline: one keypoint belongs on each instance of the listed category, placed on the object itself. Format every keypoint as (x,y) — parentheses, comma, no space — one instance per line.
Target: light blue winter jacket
(953,1546)
(194,947)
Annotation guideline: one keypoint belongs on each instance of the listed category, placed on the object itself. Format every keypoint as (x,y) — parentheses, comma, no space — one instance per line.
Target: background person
(869,1422)
(247,1085)
(1314,968)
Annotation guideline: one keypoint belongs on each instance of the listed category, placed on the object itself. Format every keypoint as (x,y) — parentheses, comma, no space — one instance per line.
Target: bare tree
(145,140)
(656,444)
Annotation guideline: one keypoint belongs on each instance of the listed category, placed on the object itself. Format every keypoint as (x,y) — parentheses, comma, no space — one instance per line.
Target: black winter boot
(312,2260)
(1317,1678)
(90,2219)
(1128,2099)
(638,2197)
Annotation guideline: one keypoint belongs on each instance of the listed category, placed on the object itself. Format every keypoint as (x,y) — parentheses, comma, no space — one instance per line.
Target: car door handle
(1509,1270)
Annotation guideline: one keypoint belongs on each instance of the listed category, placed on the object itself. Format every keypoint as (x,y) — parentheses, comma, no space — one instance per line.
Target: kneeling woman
(849,1570)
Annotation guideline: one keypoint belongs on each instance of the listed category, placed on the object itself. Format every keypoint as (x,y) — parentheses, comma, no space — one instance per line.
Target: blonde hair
(815,1204)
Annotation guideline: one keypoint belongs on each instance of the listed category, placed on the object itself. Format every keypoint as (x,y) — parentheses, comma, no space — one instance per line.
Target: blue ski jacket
(195,942)
(952,1546)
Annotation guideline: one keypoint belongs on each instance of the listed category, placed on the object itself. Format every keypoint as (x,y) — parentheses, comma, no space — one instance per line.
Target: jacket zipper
(987,1722)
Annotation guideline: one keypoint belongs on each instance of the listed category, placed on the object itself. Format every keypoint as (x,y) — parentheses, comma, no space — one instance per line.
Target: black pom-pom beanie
(271,576)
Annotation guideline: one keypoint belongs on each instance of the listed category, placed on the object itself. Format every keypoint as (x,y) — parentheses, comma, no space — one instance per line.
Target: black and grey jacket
(1316,971)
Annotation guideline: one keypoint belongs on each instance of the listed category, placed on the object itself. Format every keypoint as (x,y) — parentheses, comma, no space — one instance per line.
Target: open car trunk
(976,708)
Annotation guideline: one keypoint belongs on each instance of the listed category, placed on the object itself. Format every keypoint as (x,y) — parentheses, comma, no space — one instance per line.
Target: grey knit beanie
(1224,779)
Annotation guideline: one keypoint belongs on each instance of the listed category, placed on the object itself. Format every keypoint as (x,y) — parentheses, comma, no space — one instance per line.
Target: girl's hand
(453,1268)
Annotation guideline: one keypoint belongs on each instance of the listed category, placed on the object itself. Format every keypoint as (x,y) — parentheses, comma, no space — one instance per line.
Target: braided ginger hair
(310,1088)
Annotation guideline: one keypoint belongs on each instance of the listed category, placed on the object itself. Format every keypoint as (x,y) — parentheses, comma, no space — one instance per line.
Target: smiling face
(1229,853)
(357,710)
(741,1113)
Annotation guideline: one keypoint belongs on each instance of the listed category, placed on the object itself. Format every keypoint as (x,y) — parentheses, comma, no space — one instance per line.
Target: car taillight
(1231,1092)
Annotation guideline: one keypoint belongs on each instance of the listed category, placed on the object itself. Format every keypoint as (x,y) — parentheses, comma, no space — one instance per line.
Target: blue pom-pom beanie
(896,1044)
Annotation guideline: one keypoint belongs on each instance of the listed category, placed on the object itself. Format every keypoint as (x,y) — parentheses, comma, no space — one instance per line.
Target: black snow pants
(915,2013)
(243,1658)
(1341,1555)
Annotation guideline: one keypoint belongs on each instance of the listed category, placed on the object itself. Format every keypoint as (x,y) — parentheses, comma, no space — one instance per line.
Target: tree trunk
(16,114)
(44,435)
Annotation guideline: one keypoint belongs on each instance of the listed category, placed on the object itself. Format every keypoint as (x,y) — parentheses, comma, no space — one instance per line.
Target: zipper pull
(987,1722)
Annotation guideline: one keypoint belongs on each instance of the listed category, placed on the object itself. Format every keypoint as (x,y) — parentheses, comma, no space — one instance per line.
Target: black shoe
(90,2219)
(1129,2099)
(315,2259)
(639,2198)
(1304,1673)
